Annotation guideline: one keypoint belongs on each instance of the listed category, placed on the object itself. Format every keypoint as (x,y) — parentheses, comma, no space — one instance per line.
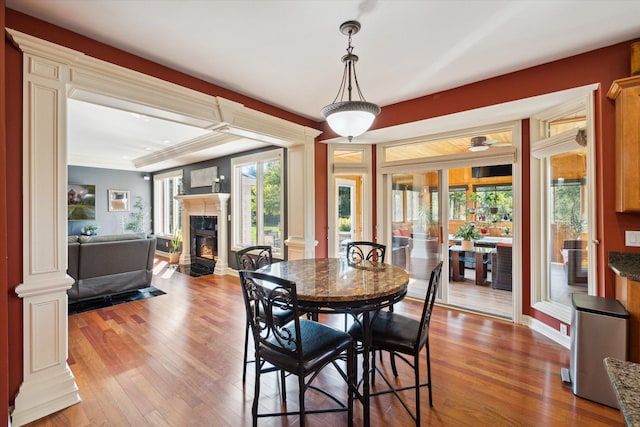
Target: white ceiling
(287,53)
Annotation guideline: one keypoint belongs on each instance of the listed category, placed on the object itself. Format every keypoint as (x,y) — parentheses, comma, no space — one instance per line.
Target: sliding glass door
(436,188)
(415,240)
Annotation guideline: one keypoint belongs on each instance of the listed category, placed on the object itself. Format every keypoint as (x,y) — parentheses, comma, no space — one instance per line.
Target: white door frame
(336,168)
(503,155)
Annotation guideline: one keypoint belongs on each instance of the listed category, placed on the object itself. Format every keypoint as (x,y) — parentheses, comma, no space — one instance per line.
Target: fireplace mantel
(210,204)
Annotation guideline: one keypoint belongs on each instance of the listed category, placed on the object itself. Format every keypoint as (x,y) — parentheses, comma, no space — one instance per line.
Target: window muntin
(458,203)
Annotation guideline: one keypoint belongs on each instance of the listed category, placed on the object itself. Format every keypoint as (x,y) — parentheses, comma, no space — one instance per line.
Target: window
(562,168)
(496,197)
(258,200)
(167,210)
(406,205)
(398,205)
(458,203)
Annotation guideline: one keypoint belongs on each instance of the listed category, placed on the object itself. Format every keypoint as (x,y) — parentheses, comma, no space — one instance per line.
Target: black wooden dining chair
(401,335)
(301,347)
(365,251)
(360,251)
(252,258)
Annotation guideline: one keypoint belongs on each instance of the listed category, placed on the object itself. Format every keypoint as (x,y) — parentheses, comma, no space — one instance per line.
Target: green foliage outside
(567,209)
(457,204)
(344,202)
(344,224)
(272,190)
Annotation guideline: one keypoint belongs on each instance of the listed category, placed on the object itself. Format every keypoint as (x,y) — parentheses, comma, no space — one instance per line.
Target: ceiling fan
(481,143)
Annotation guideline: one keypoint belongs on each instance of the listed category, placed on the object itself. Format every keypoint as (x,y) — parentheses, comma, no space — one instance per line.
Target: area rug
(111,300)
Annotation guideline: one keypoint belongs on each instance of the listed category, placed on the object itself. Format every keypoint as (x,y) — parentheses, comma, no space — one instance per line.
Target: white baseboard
(547,331)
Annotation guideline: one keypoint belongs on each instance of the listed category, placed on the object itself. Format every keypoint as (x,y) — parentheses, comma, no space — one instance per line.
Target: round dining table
(334,285)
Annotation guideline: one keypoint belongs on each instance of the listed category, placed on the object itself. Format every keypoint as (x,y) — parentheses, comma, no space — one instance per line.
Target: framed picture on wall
(81,202)
(119,200)
(203,177)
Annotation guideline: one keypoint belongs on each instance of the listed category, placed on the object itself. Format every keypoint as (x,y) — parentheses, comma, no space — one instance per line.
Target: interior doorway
(480,240)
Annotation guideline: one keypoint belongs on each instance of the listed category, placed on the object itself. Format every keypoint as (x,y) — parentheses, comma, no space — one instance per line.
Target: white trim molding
(546,330)
(52,74)
(48,384)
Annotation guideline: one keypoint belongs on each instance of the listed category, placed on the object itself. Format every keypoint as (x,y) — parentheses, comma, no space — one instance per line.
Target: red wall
(322,209)
(4,318)
(13,95)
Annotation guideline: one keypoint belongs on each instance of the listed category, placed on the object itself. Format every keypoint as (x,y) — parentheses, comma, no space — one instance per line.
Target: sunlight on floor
(160,265)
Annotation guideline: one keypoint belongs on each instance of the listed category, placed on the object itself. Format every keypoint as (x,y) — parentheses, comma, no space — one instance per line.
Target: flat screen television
(488,171)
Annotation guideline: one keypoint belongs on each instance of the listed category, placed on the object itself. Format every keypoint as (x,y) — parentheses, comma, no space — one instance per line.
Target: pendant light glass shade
(350,118)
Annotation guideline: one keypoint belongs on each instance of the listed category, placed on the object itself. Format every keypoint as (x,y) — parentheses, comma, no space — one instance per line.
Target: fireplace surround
(208,213)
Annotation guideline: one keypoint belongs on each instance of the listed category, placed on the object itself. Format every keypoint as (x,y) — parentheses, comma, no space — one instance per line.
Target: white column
(48,384)
(301,241)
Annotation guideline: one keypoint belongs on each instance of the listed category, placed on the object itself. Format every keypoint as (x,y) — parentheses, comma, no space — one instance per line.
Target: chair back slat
(264,294)
(254,257)
(432,290)
(365,251)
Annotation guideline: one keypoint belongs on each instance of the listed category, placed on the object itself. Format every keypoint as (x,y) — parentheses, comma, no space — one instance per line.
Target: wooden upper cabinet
(626,93)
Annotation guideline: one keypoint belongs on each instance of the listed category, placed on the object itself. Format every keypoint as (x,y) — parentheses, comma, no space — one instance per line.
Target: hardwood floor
(467,295)
(176,360)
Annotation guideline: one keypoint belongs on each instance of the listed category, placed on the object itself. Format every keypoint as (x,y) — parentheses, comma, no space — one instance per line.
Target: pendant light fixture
(348,117)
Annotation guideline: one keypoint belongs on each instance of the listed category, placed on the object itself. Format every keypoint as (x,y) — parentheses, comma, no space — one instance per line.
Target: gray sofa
(109,264)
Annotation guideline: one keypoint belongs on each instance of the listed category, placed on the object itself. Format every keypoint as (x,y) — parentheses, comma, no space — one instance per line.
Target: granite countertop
(625,264)
(625,379)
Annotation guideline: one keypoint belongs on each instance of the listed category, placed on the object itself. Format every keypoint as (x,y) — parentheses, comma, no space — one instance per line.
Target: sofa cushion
(73,239)
(112,237)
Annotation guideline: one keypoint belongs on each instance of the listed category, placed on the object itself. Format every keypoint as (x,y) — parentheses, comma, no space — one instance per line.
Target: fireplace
(203,243)
(204,232)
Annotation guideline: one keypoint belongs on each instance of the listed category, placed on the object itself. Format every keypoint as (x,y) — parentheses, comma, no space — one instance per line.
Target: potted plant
(175,247)
(468,233)
(138,217)
(89,230)
(507,230)
(473,200)
(491,200)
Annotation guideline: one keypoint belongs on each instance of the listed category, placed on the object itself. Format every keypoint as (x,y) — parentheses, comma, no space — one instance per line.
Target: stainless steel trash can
(599,328)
